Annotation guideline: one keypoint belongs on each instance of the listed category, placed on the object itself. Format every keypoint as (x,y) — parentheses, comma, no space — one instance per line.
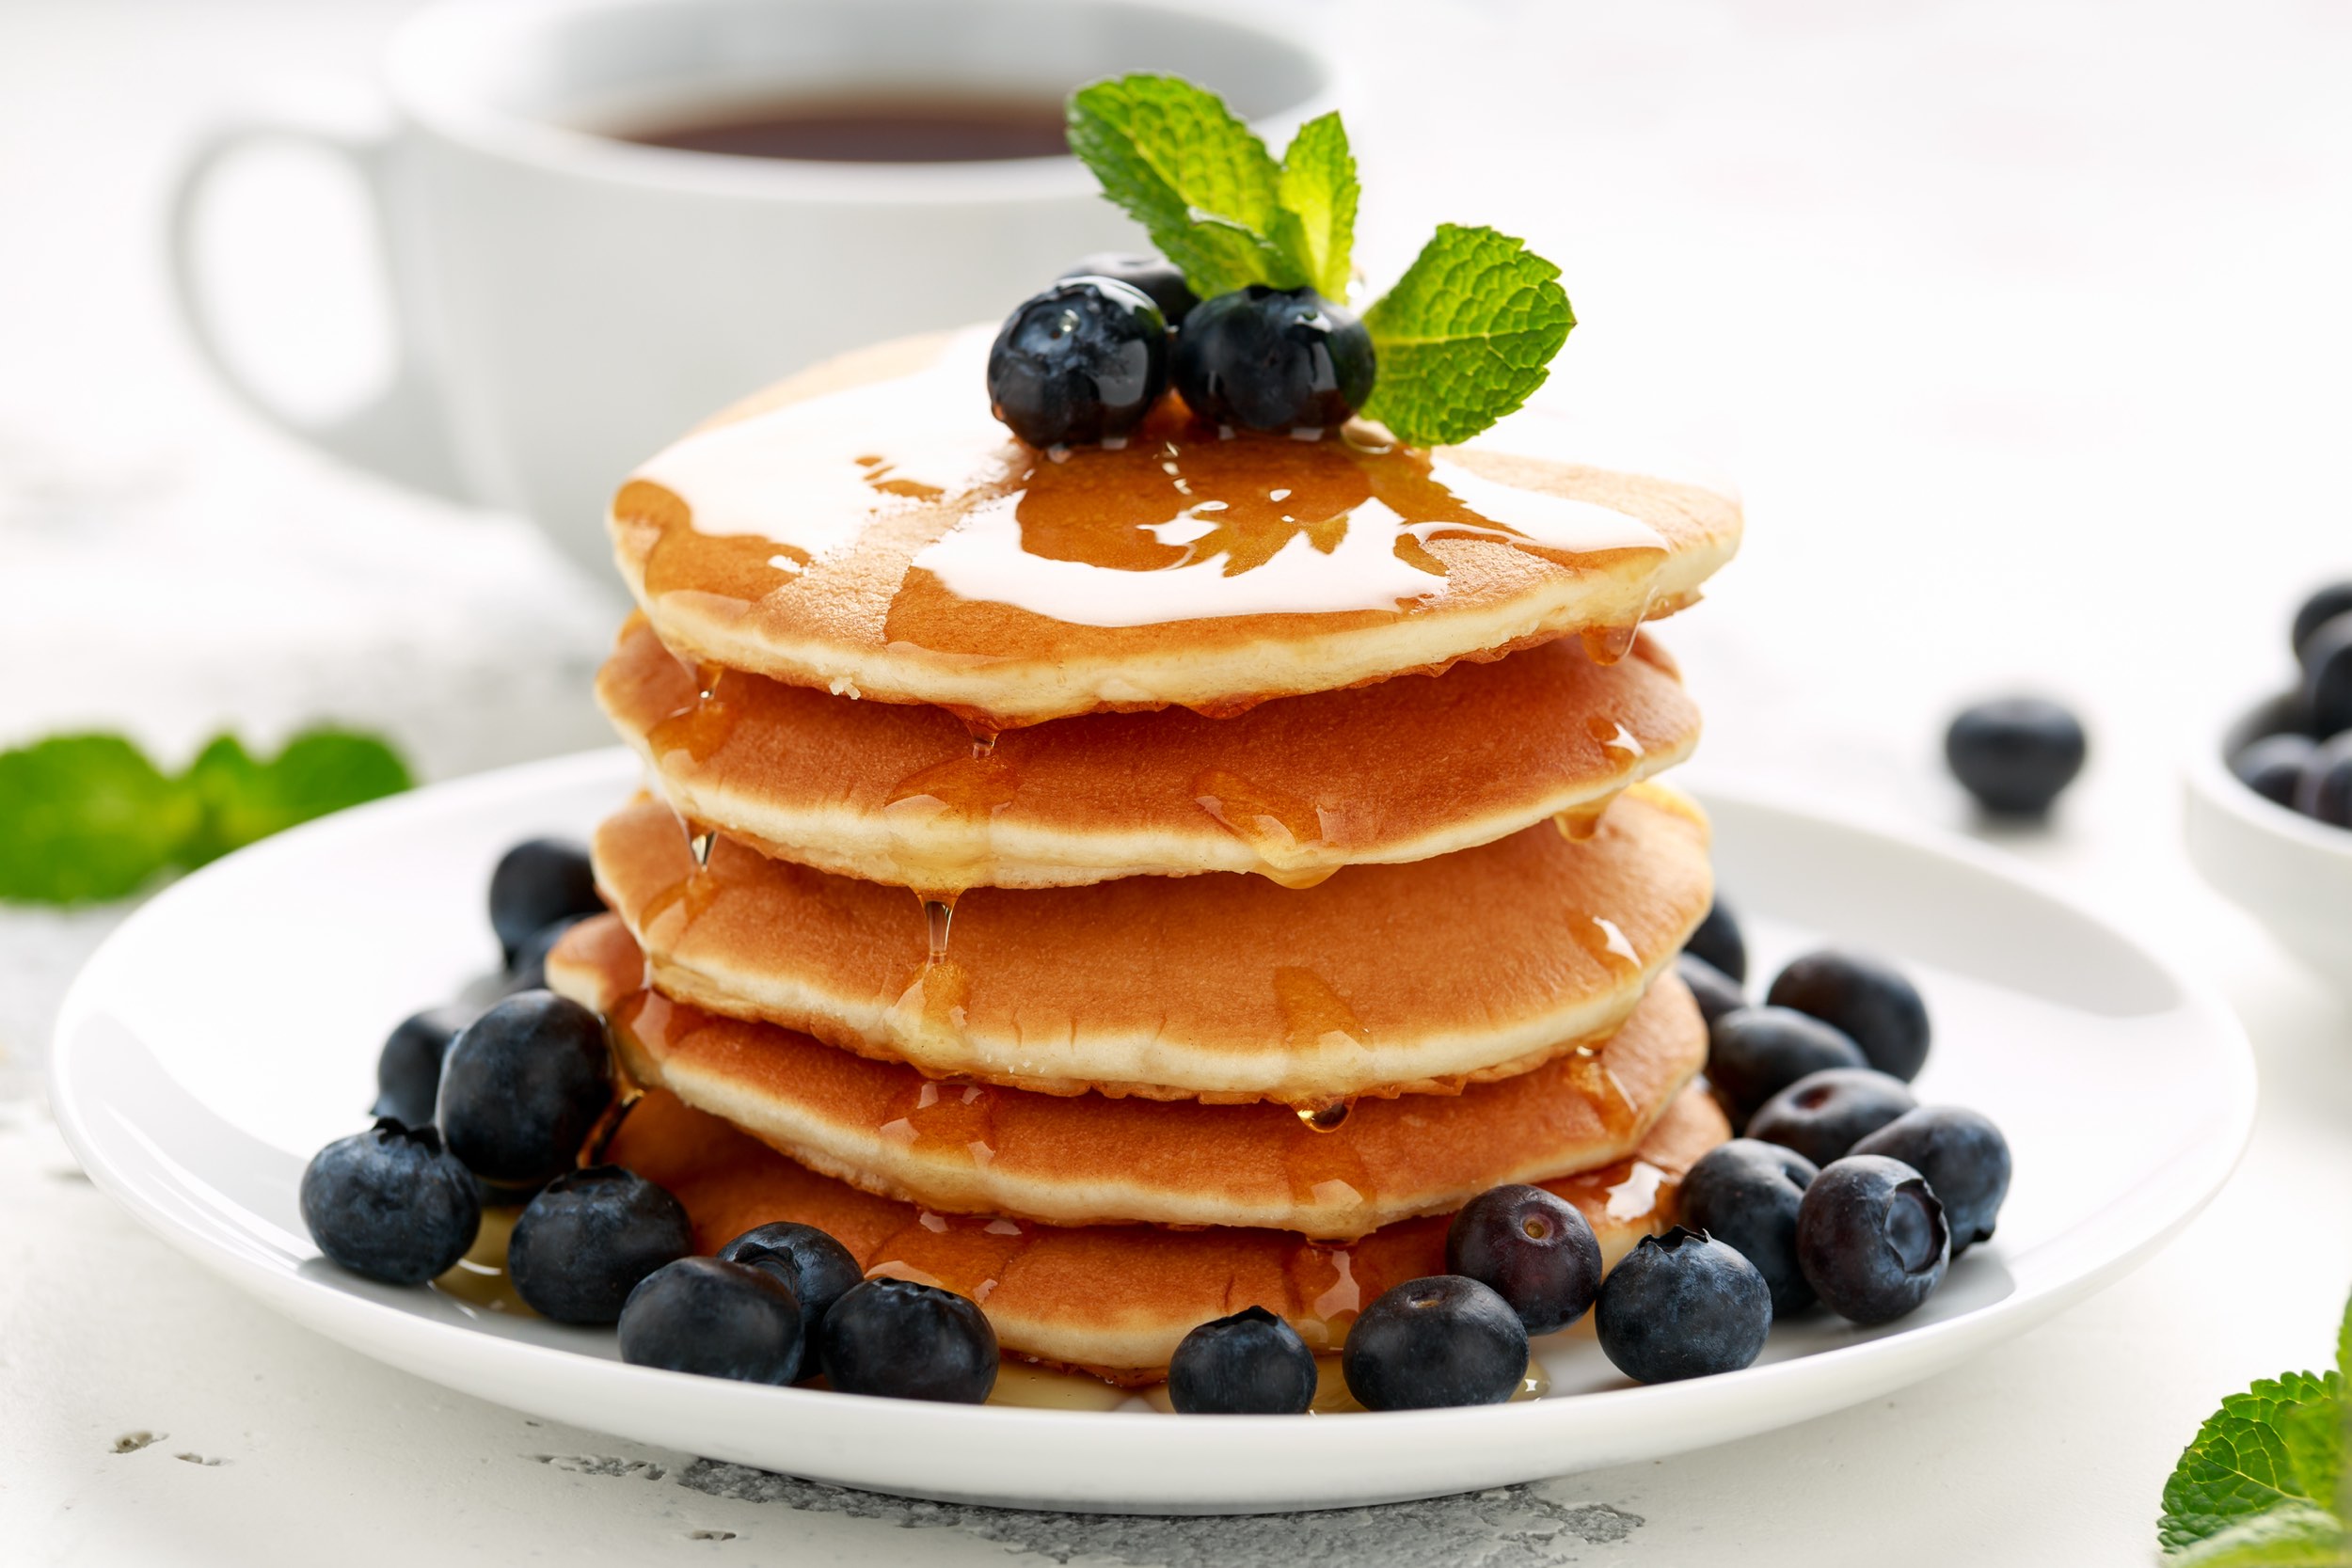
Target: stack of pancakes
(1128,884)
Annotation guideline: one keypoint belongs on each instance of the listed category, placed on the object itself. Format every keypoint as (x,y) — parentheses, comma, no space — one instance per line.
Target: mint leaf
(321,770)
(87,818)
(1465,336)
(2293,1535)
(1317,189)
(1199,181)
(2246,1459)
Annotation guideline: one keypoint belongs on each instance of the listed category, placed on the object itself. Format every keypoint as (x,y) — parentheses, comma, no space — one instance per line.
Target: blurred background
(2019,324)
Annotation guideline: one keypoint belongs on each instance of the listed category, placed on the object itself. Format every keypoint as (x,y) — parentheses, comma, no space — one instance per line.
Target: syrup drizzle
(1183,522)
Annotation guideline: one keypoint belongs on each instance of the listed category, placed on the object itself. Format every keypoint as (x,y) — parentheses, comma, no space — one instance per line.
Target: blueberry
(1084,360)
(390,1203)
(1682,1304)
(408,1071)
(1754,1053)
(1532,1249)
(528,969)
(902,1340)
(2273,765)
(2326,792)
(1719,942)
(1718,993)
(2015,754)
(1249,1364)
(1273,359)
(1870,1002)
(2320,607)
(1745,1195)
(1871,1238)
(523,1087)
(1823,1114)
(590,1238)
(819,1269)
(1158,277)
(537,882)
(2328,676)
(715,1319)
(1962,1157)
(1444,1341)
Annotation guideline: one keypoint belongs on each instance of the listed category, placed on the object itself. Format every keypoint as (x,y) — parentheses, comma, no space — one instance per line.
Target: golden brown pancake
(1114,1300)
(900,793)
(965,1148)
(1382,979)
(866,527)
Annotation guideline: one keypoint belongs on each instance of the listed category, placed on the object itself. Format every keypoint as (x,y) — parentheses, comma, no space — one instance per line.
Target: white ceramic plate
(231,1027)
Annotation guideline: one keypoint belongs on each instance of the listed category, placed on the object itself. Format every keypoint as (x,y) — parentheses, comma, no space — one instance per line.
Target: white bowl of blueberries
(2269,814)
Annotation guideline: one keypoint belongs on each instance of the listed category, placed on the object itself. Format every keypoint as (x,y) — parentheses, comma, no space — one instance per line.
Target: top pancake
(868,527)
(897,793)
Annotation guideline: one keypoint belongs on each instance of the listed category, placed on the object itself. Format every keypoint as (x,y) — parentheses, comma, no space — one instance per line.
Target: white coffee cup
(563,303)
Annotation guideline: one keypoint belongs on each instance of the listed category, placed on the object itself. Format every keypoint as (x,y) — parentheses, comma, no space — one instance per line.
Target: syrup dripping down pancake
(1382,979)
(900,793)
(868,529)
(1114,1300)
(1084,1160)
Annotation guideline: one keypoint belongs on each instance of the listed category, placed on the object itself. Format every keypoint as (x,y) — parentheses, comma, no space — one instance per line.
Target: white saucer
(230,1026)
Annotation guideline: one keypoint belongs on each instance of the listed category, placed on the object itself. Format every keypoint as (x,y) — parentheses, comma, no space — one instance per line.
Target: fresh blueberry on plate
(523,1087)
(2328,676)
(819,1270)
(1081,362)
(1156,276)
(2016,755)
(538,882)
(1427,1343)
(1823,1114)
(1717,992)
(390,1203)
(1535,1250)
(1268,358)
(1682,1304)
(2324,605)
(2273,766)
(1964,1158)
(1719,942)
(529,972)
(1871,1002)
(408,1070)
(900,1341)
(2326,792)
(1745,1195)
(590,1238)
(1249,1364)
(1754,1053)
(1871,1238)
(715,1319)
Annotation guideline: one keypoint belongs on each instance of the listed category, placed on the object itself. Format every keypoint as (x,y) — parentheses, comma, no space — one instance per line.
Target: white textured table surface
(2028,319)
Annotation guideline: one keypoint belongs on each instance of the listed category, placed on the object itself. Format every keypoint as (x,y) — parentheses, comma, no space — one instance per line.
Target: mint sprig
(1463,338)
(89,817)
(2261,1485)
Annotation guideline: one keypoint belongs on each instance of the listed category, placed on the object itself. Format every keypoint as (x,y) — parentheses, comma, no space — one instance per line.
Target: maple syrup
(1289,836)
(945,1115)
(1032,1387)
(1178,523)
(479,1281)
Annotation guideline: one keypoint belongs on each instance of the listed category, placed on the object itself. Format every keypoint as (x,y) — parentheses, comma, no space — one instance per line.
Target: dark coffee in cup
(879,129)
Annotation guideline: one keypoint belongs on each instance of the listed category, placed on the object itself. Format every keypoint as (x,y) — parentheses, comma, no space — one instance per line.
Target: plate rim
(1158,1453)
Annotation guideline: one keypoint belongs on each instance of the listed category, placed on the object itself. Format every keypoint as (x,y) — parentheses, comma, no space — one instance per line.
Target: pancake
(1397,771)
(1114,1300)
(868,529)
(1084,1159)
(1382,979)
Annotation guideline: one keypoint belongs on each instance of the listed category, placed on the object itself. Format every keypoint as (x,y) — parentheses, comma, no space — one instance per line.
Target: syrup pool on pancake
(1180,521)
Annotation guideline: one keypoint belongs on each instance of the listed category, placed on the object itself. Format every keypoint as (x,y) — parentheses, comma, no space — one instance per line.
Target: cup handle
(402,433)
